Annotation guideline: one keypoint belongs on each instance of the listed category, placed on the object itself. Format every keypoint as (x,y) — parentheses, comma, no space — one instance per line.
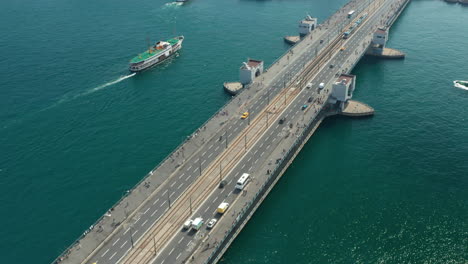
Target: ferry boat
(156,54)
(461,84)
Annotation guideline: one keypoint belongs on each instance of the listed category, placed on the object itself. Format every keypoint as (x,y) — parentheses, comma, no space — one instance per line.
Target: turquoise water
(390,189)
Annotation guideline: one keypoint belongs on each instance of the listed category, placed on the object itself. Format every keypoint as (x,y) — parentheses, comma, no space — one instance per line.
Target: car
(222,183)
(211,223)
(245,115)
(342,48)
(309,100)
(321,41)
(309,85)
(187,224)
(331,66)
(281,121)
(321,86)
(304,107)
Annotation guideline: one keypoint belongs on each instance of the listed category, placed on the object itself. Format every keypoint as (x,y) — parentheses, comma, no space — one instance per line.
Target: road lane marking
(181,175)
(155,201)
(189,168)
(112,255)
(124,244)
(164,192)
(113,244)
(195,170)
(203,162)
(135,232)
(105,253)
(172,250)
(171,194)
(179,186)
(144,222)
(154,213)
(179,255)
(180,240)
(216,149)
(146,210)
(211,154)
(172,185)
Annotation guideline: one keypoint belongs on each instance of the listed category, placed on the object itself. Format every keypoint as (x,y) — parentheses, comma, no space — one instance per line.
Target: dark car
(331,66)
(222,184)
(309,100)
(281,121)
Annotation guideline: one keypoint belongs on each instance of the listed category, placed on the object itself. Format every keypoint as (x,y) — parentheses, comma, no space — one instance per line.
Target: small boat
(156,54)
(181,1)
(461,84)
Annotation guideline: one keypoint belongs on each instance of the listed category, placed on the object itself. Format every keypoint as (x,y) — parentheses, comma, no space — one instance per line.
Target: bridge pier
(377,47)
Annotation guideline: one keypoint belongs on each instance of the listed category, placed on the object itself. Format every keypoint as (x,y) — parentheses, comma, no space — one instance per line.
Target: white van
(188,224)
(243,180)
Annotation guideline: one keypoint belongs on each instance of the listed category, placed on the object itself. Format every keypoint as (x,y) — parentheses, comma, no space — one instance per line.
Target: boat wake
(461,84)
(121,78)
(173,4)
(68,98)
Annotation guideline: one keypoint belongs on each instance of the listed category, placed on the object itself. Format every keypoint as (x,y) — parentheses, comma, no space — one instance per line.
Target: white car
(188,224)
(211,223)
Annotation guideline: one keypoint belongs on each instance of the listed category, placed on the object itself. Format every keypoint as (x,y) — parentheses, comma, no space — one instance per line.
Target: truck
(222,207)
(197,223)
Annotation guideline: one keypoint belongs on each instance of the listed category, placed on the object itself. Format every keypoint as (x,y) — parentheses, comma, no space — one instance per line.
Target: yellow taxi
(245,115)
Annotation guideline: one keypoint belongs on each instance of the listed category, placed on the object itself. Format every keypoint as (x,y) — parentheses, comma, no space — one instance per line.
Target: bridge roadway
(182,243)
(163,214)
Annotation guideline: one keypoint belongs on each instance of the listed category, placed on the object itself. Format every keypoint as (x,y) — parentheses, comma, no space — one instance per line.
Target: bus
(351,13)
(243,180)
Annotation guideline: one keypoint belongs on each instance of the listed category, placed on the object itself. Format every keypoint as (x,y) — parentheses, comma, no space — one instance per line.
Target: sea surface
(77,129)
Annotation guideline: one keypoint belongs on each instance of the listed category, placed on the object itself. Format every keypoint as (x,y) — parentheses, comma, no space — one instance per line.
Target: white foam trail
(68,98)
(111,83)
(459,86)
(173,4)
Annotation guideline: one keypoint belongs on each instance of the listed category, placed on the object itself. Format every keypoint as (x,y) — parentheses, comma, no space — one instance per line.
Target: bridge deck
(145,226)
